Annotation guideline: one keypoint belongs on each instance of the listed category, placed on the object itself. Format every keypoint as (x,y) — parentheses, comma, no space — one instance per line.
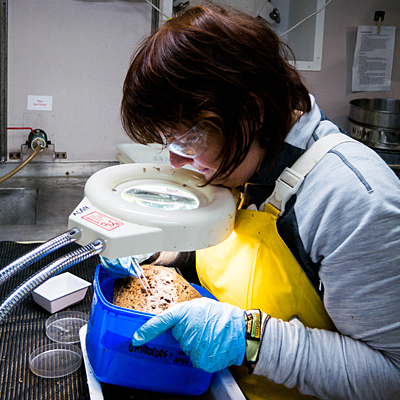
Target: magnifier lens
(162,197)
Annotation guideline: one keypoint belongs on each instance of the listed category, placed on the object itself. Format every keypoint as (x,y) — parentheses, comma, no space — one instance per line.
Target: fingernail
(137,337)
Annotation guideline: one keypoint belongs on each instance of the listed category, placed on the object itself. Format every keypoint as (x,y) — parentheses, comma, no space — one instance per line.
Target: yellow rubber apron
(254,268)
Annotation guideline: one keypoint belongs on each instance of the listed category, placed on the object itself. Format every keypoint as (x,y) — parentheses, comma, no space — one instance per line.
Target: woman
(215,87)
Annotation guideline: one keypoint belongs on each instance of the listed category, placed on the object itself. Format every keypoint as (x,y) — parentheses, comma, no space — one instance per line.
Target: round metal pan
(383,113)
(375,137)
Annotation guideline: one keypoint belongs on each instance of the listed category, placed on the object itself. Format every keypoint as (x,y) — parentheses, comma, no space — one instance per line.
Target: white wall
(77,51)
(332,85)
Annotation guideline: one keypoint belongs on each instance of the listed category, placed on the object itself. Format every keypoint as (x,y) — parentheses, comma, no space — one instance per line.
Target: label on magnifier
(102,220)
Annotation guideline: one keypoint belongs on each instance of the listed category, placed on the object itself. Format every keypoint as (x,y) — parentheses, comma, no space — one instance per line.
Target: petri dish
(64,327)
(55,360)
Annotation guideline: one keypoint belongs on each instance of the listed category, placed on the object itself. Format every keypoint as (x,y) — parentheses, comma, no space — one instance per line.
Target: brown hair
(207,67)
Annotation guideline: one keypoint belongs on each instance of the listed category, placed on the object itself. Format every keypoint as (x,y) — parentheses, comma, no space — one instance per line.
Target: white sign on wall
(42,103)
(373,58)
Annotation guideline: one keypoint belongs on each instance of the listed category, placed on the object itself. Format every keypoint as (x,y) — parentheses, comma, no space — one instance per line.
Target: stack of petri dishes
(62,357)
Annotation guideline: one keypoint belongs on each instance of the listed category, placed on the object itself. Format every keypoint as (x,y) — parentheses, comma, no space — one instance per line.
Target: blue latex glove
(123,267)
(211,333)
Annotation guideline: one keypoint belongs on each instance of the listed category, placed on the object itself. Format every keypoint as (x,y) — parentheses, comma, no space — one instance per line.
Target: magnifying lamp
(144,208)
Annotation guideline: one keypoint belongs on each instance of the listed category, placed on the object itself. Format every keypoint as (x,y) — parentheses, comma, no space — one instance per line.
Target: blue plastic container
(157,366)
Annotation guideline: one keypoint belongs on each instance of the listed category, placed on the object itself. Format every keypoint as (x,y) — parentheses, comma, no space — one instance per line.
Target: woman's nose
(178,161)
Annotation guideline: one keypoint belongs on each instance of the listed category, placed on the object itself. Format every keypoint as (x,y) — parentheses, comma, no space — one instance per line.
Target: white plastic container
(60,292)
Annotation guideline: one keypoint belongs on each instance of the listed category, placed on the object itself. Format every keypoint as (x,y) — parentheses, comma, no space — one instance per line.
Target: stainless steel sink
(37,209)
(18,206)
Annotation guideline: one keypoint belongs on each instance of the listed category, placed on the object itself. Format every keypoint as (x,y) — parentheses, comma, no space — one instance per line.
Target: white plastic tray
(60,291)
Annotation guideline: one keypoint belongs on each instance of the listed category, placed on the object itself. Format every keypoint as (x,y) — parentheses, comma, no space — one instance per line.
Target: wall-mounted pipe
(3,79)
(37,141)
(155,15)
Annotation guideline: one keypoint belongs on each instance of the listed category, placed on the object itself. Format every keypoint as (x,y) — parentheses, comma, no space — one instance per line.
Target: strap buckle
(286,186)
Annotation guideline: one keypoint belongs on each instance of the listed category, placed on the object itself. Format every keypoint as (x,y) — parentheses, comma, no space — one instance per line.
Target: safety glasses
(191,144)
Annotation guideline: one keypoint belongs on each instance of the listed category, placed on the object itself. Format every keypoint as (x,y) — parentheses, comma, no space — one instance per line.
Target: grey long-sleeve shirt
(348,218)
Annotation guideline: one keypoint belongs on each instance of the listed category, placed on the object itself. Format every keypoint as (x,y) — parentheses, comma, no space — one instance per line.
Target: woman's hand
(211,333)
(125,266)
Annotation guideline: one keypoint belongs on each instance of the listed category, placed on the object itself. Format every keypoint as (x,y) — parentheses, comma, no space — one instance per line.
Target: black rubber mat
(24,331)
